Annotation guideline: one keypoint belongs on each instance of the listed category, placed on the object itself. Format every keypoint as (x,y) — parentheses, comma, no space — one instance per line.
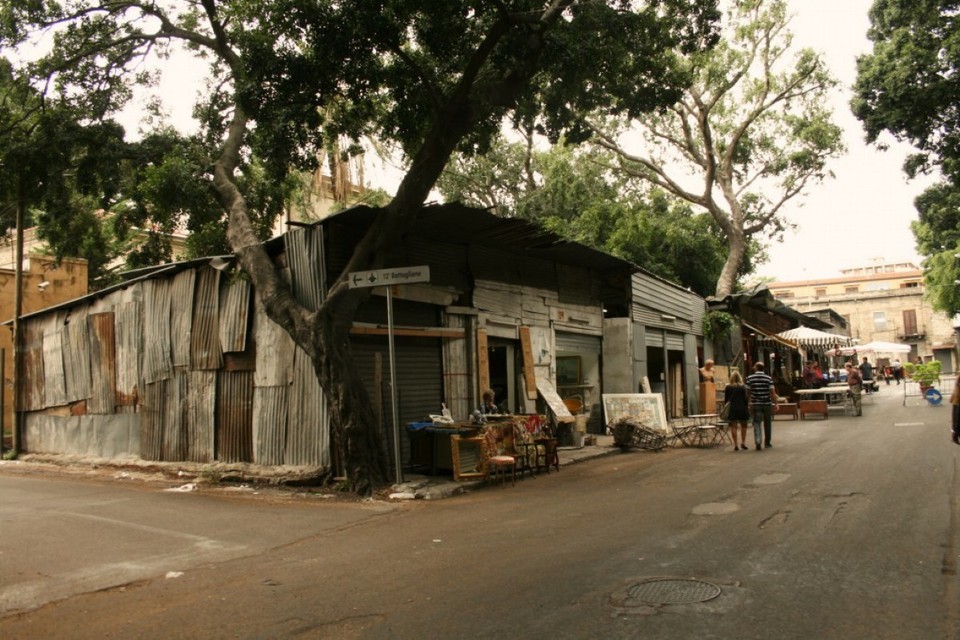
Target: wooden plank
(483,360)
(555,402)
(529,374)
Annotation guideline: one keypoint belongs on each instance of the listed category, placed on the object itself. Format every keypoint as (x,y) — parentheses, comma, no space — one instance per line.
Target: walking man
(855,383)
(762,396)
(866,372)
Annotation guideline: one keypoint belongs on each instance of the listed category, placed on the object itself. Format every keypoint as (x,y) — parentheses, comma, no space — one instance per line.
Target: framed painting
(646,408)
(568,370)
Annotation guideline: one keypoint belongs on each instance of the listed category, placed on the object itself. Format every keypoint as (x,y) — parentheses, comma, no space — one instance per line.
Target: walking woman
(736,394)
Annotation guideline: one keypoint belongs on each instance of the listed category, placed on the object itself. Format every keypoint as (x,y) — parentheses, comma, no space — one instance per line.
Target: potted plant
(924,373)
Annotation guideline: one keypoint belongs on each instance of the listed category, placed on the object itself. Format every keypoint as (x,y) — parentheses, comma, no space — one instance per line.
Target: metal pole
(393,390)
(18,332)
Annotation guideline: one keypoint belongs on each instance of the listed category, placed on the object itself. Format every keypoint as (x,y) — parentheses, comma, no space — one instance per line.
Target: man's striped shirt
(759,383)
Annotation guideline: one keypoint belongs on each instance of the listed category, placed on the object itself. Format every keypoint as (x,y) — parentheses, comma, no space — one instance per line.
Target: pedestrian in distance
(855,385)
(736,394)
(811,379)
(762,394)
(955,413)
(866,372)
(897,369)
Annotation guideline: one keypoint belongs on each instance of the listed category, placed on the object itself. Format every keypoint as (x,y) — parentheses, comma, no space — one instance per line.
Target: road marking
(909,424)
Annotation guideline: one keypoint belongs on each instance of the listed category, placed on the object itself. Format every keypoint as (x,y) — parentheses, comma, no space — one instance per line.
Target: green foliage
(753,130)
(908,86)
(717,324)
(925,373)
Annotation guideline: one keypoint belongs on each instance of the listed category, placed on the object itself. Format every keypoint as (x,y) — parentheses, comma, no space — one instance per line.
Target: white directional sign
(387,277)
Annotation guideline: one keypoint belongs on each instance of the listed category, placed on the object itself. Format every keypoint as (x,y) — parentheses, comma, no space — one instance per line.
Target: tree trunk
(728,275)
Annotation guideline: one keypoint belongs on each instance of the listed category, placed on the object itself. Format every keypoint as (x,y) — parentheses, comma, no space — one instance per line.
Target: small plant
(717,324)
(925,373)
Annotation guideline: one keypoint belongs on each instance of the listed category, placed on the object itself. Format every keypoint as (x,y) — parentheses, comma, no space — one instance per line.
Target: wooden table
(825,394)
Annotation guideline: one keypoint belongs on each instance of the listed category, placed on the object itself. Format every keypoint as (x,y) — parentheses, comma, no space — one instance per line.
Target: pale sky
(864,213)
(860,216)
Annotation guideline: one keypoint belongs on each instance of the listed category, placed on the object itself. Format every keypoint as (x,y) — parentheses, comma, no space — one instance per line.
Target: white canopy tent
(875,347)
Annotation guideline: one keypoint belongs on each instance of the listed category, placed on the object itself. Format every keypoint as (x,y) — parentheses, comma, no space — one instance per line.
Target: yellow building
(45,284)
(882,302)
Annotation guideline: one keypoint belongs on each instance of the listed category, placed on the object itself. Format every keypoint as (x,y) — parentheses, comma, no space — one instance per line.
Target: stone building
(882,302)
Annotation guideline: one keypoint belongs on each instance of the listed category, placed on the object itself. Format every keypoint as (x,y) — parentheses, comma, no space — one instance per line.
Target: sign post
(388,278)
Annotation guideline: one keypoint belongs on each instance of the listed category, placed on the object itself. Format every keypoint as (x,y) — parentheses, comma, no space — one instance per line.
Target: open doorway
(502,363)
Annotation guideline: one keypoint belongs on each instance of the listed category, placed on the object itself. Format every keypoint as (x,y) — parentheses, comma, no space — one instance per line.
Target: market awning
(807,337)
(772,337)
(885,347)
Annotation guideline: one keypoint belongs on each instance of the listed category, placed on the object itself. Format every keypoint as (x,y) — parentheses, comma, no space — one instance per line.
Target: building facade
(882,302)
(181,363)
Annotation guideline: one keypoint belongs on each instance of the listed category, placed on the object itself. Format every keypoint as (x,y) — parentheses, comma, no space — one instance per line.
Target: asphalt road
(846,528)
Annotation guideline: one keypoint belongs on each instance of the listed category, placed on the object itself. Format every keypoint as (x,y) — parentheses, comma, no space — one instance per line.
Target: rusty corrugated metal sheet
(308,435)
(31,387)
(157,361)
(201,415)
(181,316)
(205,339)
(76,356)
(174,427)
(103,363)
(269,424)
(235,416)
(274,351)
(305,259)
(234,316)
(54,382)
(152,409)
(128,329)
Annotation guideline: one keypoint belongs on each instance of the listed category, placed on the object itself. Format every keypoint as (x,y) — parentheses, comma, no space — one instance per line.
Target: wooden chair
(498,462)
(546,454)
(523,449)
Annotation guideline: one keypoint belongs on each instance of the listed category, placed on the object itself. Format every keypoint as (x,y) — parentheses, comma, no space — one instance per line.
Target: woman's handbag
(725,411)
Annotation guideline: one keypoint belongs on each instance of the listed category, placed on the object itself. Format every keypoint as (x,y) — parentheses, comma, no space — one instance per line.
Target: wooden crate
(818,407)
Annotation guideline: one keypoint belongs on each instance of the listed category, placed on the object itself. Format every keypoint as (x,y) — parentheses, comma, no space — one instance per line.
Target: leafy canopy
(751,133)
(908,86)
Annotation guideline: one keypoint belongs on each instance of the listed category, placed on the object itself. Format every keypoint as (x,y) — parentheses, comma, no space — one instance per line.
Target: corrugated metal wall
(234,432)
(102,363)
(205,337)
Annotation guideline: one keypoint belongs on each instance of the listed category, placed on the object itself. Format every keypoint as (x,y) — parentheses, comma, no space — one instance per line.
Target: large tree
(909,87)
(751,133)
(431,76)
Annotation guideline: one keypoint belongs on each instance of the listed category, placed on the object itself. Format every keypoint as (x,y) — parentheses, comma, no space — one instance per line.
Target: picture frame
(647,408)
(568,370)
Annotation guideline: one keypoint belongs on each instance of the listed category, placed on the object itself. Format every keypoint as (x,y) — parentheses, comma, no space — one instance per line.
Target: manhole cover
(672,591)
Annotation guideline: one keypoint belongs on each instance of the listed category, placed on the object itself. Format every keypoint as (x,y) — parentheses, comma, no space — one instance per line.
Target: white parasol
(883,347)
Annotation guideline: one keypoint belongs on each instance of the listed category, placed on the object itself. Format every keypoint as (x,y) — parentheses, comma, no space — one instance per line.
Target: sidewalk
(418,487)
(191,476)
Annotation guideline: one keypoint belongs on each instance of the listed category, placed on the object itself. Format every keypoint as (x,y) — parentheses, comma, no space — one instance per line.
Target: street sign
(388,277)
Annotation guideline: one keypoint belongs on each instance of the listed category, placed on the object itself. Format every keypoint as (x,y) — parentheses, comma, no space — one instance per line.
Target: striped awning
(770,337)
(807,337)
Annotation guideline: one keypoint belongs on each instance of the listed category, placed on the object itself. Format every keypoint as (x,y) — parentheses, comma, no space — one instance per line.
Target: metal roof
(459,224)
